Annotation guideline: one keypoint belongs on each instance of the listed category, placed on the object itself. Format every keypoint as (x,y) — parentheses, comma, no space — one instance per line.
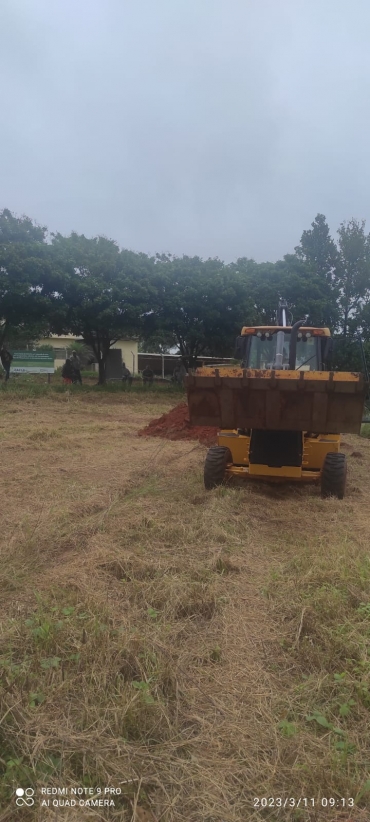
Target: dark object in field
(126,374)
(67,372)
(148,375)
(6,361)
(76,366)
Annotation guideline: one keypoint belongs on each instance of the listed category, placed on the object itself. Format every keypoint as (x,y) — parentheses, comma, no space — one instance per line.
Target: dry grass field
(194,651)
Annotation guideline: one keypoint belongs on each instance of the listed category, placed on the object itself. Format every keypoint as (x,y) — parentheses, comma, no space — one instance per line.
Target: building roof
(78,337)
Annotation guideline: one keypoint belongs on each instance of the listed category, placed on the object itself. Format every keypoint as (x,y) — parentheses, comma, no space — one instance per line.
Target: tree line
(90,287)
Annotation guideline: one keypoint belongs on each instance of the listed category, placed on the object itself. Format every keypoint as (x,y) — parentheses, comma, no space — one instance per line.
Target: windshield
(262,353)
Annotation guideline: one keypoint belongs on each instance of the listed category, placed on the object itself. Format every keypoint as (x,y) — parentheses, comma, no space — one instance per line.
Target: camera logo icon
(24,797)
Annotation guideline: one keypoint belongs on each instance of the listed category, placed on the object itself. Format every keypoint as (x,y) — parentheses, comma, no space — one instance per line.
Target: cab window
(262,353)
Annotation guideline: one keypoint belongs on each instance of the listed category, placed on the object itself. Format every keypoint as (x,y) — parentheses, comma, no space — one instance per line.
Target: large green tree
(262,287)
(353,274)
(199,308)
(99,292)
(318,250)
(25,263)
(291,280)
(344,266)
(309,296)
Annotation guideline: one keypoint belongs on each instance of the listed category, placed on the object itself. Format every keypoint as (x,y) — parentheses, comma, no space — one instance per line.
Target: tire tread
(333,475)
(218,456)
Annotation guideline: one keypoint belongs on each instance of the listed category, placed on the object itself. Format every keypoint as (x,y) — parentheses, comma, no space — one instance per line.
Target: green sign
(32,362)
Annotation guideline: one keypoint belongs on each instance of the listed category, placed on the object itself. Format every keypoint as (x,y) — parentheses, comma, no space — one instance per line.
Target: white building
(63,345)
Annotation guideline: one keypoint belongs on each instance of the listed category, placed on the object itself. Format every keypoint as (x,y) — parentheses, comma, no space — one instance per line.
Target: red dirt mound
(176,426)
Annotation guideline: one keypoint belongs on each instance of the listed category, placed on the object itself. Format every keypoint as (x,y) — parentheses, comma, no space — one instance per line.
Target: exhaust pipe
(293,344)
(280,336)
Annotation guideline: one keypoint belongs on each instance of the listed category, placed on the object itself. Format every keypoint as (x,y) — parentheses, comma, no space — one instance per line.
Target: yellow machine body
(314,450)
(280,414)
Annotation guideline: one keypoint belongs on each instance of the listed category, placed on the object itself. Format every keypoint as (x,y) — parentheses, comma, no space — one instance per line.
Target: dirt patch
(175,425)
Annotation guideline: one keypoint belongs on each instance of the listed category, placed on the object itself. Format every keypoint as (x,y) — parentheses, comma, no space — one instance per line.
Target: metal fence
(164,364)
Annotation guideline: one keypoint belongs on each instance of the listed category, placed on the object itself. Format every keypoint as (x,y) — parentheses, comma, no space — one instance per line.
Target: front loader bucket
(321,402)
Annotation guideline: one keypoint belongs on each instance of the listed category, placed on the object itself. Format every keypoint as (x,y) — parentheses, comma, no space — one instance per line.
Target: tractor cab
(269,348)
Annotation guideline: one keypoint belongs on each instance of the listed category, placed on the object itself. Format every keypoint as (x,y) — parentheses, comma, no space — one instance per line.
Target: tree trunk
(104,351)
(102,373)
(4,329)
(100,346)
(188,354)
(190,359)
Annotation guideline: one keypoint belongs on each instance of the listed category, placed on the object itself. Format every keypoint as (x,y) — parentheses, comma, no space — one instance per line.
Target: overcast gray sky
(210,127)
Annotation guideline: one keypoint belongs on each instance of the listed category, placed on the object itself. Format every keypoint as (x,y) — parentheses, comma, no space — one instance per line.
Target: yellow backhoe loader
(281,413)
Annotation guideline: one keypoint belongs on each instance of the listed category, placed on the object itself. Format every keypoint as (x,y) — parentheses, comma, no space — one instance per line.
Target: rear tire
(334,475)
(215,466)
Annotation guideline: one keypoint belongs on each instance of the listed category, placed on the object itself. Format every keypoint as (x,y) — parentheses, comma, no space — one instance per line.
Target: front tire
(334,476)
(215,466)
